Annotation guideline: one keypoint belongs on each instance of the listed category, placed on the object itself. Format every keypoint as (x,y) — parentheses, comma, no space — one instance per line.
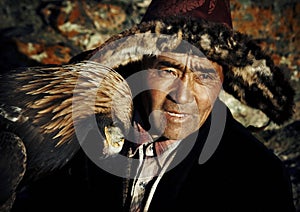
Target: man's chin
(172,131)
(177,134)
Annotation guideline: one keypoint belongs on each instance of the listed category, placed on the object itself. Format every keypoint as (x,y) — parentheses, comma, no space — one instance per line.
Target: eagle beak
(114,140)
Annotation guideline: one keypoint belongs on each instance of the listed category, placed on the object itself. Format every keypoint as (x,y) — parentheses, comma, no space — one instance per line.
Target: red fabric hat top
(210,10)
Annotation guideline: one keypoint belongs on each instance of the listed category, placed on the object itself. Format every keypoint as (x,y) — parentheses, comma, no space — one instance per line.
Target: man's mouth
(179,115)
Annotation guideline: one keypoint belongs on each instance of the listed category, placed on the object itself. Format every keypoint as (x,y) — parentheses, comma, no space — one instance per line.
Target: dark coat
(242,175)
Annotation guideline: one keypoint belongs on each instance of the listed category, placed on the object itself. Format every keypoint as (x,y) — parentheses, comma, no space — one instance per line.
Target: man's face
(182,91)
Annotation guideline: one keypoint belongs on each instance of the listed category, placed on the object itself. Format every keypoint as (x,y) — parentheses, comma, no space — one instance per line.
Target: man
(185,151)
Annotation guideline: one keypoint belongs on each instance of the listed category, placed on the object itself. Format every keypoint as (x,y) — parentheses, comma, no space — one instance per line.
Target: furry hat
(250,75)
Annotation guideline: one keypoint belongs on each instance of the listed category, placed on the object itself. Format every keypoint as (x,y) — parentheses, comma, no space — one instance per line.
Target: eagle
(45,115)
(46,112)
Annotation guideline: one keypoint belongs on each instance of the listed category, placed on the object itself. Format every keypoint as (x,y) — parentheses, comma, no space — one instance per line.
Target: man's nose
(182,91)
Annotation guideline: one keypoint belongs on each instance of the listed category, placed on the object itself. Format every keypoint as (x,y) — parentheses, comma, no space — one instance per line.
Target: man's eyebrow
(203,67)
(199,67)
(208,70)
(170,64)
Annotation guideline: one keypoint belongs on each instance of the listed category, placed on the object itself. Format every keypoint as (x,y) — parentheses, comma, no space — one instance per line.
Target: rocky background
(34,32)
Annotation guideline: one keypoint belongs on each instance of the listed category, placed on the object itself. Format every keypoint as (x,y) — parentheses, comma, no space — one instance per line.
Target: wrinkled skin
(181,92)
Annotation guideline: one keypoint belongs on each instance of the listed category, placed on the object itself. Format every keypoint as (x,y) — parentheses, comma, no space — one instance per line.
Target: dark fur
(266,90)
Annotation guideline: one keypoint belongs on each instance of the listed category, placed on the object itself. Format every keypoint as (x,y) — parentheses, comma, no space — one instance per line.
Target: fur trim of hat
(250,75)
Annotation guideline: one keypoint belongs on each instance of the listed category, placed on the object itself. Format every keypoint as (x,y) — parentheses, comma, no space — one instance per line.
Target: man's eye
(206,77)
(167,72)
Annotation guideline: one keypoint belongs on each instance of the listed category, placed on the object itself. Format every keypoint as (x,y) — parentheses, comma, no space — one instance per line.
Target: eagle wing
(41,107)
